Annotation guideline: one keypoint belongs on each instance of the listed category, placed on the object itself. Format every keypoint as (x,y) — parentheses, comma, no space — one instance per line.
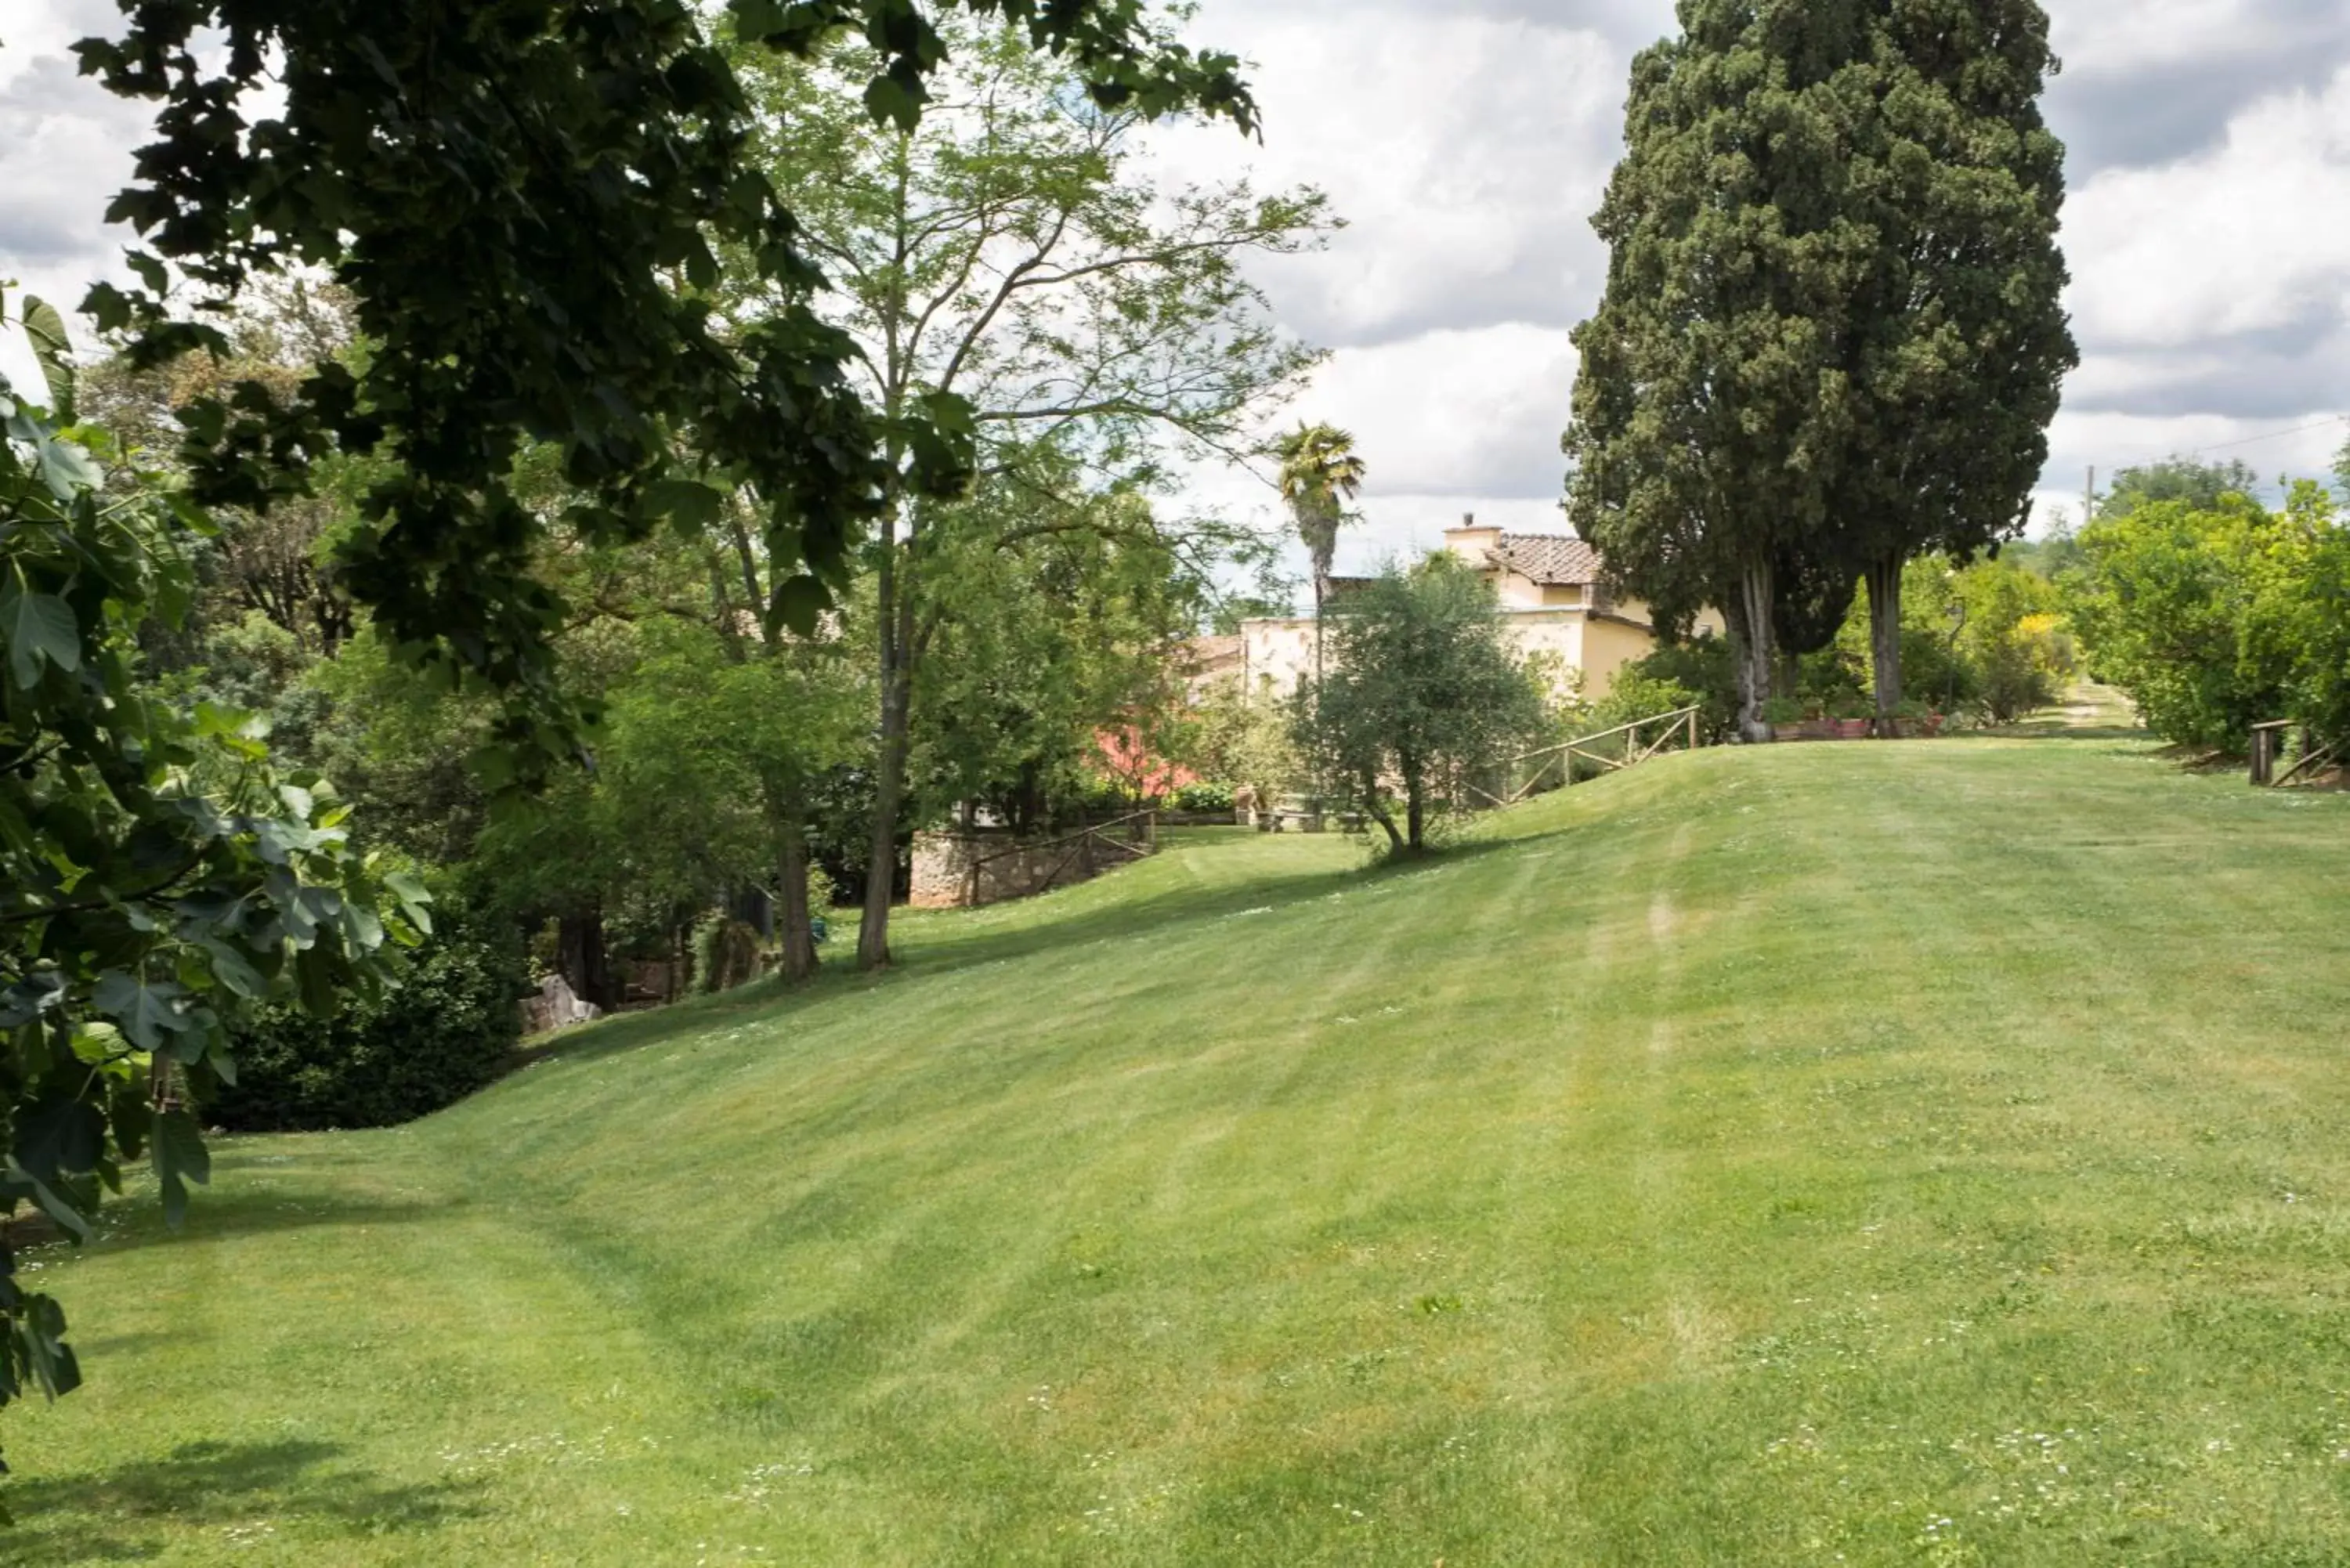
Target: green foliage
(2304,612)
(2020,656)
(2201,485)
(1424,691)
(1831,334)
(1959,338)
(1208,799)
(1046,624)
(158,879)
(1015,251)
(2167,611)
(1243,733)
(1705,667)
(445,1024)
(529,258)
(1712,398)
(727,955)
(2214,619)
(1638,694)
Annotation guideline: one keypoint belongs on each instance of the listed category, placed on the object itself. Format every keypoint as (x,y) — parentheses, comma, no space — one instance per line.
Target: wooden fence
(1082,851)
(1632,750)
(2268,743)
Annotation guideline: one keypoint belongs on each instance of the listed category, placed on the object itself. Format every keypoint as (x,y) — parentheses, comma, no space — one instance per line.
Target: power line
(2253,441)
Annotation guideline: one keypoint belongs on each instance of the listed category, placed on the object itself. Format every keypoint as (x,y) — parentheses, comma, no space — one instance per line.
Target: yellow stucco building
(1551,596)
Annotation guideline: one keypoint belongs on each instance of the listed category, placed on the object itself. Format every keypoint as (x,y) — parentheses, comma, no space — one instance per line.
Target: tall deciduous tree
(1008,253)
(514,192)
(1713,400)
(1048,623)
(1959,337)
(1424,691)
(2203,486)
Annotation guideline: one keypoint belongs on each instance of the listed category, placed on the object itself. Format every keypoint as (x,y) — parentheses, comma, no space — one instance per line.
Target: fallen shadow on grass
(2057,729)
(228,1210)
(244,1492)
(1167,912)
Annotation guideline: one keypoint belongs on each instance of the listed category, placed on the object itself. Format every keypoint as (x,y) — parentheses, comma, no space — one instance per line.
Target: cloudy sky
(1467,142)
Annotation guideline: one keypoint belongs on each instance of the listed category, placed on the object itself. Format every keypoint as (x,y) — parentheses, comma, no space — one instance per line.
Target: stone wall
(1007,869)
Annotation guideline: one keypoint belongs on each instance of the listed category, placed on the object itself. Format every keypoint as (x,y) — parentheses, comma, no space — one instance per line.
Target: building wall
(1280,649)
(1284,649)
(1594,645)
(1607,646)
(1555,632)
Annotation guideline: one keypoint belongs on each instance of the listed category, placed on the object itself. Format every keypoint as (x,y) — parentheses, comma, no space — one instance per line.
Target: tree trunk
(895,615)
(798,934)
(1749,630)
(1885,641)
(1319,589)
(881,853)
(579,954)
(1380,813)
(1415,806)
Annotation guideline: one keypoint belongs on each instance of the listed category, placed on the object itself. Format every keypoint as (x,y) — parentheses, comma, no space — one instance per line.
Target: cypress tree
(1960,340)
(1712,403)
(1831,335)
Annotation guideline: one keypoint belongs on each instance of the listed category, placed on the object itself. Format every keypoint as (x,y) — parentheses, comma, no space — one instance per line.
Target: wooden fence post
(2264,742)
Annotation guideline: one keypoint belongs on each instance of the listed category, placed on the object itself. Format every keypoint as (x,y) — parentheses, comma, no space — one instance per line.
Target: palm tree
(1320,472)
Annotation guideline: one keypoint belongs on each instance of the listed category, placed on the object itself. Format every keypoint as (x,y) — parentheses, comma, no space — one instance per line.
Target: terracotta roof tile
(1552,560)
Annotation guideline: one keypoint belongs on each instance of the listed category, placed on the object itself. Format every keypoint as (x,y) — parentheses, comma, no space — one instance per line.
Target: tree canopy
(526,200)
(1424,695)
(1831,335)
(1958,337)
(1011,253)
(158,878)
(1713,402)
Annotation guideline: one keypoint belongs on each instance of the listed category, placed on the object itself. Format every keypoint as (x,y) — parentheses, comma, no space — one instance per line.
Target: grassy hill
(1867,1154)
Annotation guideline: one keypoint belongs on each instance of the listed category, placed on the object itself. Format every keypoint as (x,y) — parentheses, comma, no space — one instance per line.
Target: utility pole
(2089,497)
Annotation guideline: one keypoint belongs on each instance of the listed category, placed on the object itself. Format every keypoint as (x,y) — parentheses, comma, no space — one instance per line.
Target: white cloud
(1466,153)
(1474,413)
(1469,141)
(2124,37)
(2251,234)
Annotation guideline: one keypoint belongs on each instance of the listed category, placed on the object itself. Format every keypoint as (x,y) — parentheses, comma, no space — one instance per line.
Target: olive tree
(1424,694)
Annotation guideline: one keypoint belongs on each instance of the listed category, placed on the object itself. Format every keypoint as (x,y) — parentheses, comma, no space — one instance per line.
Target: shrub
(1704,668)
(1204,797)
(2169,604)
(727,955)
(445,1025)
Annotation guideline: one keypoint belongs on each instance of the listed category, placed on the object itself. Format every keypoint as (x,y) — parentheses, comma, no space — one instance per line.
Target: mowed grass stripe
(1759,1156)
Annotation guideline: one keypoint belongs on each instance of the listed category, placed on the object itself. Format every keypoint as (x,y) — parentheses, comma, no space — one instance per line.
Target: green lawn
(1873,1154)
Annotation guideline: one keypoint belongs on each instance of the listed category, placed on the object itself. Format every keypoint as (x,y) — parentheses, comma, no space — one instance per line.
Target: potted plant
(1850,716)
(1784,715)
(1916,719)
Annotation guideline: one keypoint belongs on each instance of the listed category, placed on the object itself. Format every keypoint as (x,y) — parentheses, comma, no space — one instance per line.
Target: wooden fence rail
(1140,843)
(1679,723)
(2268,740)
